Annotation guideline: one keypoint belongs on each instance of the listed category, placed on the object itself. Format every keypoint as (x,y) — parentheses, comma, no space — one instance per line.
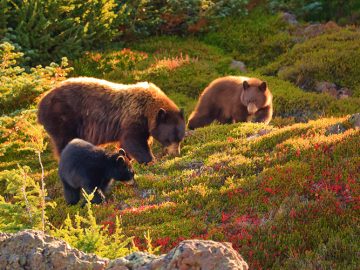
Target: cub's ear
(182,113)
(161,116)
(120,159)
(122,152)
(246,85)
(263,86)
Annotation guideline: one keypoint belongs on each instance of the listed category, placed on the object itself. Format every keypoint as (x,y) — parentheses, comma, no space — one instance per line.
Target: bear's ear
(122,152)
(246,85)
(120,159)
(161,116)
(263,86)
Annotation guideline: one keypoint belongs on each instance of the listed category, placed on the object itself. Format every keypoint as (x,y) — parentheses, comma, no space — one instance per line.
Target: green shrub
(256,39)
(3,17)
(49,30)
(320,10)
(85,234)
(100,63)
(143,18)
(19,88)
(333,57)
(178,66)
(21,201)
(291,101)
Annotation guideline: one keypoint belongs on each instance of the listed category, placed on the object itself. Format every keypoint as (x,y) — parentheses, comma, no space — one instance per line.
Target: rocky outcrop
(332,89)
(313,30)
(238,65)
(352,122)
(289,18)
(35,250)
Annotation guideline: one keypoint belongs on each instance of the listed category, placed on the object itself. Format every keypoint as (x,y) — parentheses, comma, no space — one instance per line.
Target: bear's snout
(252,108)
(130,182)
(173,149)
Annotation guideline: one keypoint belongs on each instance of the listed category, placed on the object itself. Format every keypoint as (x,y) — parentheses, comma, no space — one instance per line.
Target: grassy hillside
(285,195)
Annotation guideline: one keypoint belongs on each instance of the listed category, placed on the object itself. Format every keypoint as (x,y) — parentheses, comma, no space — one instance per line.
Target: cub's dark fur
(83,165)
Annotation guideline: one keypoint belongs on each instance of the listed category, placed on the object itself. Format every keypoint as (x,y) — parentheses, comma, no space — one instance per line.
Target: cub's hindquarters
(217,102)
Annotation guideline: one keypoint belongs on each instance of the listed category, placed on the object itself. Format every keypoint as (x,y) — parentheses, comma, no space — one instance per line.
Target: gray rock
(326,87)
(35,250)
(289,18)
(355,120)
(331,89)
(335,129)
(238,65)
(317,29)
(343,93)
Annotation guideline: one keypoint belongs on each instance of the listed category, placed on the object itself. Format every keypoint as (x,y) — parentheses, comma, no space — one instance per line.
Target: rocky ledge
(35,250)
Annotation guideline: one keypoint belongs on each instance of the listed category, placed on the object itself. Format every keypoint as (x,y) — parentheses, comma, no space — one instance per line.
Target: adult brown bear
(99,112)
(233,99)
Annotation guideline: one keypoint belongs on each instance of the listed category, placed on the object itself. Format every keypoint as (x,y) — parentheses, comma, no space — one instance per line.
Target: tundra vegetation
(286,195)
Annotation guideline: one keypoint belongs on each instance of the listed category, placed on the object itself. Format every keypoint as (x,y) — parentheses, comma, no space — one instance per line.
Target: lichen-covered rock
(238,65)
(332,90)
(326,87)
(317,29)
(35,250)
(289,18)
(335,129)
(343,93)
(196,254)
(355,120)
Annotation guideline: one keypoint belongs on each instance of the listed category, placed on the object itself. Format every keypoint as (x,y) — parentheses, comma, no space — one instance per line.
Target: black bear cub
(84,165)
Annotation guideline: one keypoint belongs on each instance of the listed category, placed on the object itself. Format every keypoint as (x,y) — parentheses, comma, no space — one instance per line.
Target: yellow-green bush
(256,39)
(333,57)
(291,101)
(18,87)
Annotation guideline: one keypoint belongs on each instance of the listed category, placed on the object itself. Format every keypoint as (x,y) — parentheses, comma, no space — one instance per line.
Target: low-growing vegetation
(286,195)
(333,57)
(256,40)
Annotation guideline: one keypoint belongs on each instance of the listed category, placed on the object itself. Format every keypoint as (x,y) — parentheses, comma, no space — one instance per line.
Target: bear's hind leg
(201,121)
(72,195)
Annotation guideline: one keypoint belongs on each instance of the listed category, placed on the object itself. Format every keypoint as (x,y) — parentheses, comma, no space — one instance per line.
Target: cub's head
(121,168)
(169,130)
(255,95)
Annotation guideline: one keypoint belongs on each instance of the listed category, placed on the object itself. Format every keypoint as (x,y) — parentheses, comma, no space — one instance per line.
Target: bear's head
(121,169)
(255,95)
(169,130)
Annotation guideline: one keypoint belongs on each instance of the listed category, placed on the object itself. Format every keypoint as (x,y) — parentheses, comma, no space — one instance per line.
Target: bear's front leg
(264,115)
(98,196)
(241,114)
(136,145)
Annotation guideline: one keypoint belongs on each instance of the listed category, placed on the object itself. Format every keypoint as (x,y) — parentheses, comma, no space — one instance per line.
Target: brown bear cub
(233,99)
(100,112)
(83,165)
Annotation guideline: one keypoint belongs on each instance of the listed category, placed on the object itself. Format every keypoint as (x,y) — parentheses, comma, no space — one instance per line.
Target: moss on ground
(333,57)
(286,199)
(283,199)
(256,39)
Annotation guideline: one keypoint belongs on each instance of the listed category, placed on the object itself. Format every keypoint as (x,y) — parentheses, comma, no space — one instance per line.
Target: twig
(42,193)
(26,199)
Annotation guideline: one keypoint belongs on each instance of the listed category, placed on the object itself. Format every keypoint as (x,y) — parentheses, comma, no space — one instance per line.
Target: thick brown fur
(99,112)
(233,99)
